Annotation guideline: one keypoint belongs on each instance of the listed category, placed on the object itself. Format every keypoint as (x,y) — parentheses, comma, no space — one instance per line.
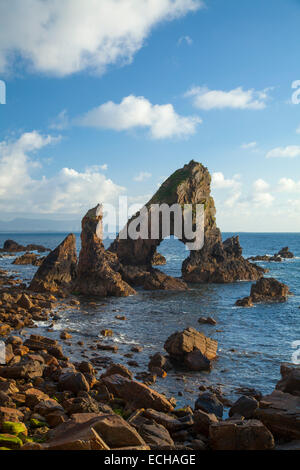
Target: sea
(252,342)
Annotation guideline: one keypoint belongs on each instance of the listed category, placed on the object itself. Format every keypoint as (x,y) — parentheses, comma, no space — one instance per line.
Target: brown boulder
(181,343)
(280,412)
(73,382)
(269,289)
(58,270)
(240,435)
(136,394)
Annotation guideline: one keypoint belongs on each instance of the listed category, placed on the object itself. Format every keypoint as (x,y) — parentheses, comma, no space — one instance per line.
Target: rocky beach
(67,394)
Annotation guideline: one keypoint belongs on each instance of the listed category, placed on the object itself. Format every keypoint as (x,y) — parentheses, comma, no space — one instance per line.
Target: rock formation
(265,290)
(192,349)
(10,246)
(97,272)
(58,271)
(215,262)
(284,253)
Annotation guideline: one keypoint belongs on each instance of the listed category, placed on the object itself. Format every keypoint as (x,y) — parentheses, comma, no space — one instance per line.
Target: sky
(109,97)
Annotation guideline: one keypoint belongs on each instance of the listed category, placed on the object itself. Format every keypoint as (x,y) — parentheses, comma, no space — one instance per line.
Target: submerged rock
(10,246)
(285,253)
(58,270)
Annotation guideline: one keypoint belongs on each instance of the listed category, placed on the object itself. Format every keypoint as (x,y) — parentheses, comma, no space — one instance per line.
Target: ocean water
(252,341)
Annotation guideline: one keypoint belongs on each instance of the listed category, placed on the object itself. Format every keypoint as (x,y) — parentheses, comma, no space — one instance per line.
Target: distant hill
(40,225)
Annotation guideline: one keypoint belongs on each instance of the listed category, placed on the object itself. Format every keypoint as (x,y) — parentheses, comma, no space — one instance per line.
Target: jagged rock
(117,369)
(285,253)
(158,259)
(97,268)
(158,361)
(136,394)
(240,435)
(216,261)
(27,258)
(245,302)
(58,270)
(269,289)
(38,343)
(191,348)
(280,412)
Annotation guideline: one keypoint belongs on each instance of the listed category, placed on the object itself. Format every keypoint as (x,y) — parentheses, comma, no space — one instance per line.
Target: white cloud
(233,185)
(137,112)
(288,185)
(142,176)
(250,145)
(185,39)
(220,182)
(63,37)
(260,185)
(69,191)
(291,151)
(238,98)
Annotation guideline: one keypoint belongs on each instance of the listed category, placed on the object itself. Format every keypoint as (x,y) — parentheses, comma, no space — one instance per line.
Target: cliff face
(216,261)
(97,272)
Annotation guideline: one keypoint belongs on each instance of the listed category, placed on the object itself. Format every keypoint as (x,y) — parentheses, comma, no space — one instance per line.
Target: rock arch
(216,261)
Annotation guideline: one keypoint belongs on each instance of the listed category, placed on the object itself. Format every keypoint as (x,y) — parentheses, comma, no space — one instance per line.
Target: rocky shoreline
(49,403)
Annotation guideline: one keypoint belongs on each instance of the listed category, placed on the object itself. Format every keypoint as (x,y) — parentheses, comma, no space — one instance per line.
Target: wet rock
(195,360)
(240,435)
(170,422)
(209,403)
(136,394)
(207,320)
(269,289)
(245,302)
(58,270)
(244,406)
(158,361)
(285,253)
(10,246)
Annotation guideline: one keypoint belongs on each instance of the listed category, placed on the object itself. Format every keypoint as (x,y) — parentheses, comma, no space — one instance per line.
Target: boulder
(269,289)
(207,321)
(97,268)
(203,421)
(158,361)
(58,270)
(280,412)
(155,435)
(244,406)
(285,253)
(27,258)
(136,394)
(158,259)
(290,381)
(209,403)
(73,382)
(245,302)
(240,435)
(196,361)
(181,343)
(117,369)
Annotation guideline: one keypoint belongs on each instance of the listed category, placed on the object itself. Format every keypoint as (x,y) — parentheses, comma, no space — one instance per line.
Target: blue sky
(89,117)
